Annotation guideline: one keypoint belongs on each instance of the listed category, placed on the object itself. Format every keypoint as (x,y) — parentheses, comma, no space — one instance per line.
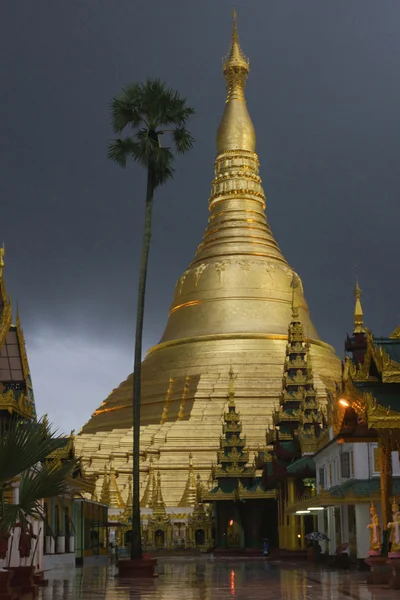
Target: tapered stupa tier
(231,309)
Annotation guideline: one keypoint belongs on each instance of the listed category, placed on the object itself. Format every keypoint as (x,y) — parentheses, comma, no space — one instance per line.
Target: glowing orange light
(343,402)
(233,581)
(231,523)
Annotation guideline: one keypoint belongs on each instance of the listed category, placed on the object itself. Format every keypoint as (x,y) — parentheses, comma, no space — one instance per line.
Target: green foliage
(24,450)
(150,110)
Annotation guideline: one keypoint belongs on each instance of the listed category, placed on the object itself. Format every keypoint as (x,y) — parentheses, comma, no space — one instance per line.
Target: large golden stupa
(231,310)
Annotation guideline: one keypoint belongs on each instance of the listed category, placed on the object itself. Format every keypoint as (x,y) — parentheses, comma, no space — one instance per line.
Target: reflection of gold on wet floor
(206,578)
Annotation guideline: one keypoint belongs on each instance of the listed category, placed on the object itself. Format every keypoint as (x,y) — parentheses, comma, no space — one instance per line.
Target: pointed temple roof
(159,504)
(127,514)
(358,311)
(16,393)
(189,496)
(298,422)
(113,488)
(235,479)
(105,490)
(150,491)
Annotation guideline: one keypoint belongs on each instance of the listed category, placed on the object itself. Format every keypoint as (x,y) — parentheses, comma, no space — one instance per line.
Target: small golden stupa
(231,309)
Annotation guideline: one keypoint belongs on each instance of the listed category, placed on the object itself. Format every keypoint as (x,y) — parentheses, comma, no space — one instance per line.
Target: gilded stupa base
(183,409)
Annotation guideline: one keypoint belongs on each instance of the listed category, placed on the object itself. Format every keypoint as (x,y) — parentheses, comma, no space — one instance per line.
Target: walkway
(205,578)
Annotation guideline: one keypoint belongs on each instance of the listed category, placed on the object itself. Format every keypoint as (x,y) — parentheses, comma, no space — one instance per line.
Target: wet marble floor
(205,578)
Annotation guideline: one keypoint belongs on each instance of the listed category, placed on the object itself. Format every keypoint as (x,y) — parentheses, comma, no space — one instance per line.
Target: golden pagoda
(231,309)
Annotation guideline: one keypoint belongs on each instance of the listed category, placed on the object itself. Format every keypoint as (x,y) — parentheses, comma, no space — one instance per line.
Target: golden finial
(295,304)
(2,253)
(236,66)
(189,493)
(232,378)
(236,131)
(159,504)
(358,311)
(105,490)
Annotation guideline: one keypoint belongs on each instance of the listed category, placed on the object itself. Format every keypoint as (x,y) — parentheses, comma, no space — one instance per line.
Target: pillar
(362,531)
(386,475)
(291,532)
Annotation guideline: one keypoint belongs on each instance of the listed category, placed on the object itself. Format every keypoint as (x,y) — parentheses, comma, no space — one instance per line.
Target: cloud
(72,375)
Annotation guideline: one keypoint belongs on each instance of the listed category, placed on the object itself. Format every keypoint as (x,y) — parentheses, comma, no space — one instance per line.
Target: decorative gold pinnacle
(358,311)
(113,488)
(2,253)
(295,303)
(190,493)
(231,386)
(159,504)
(236,66)
(105,490)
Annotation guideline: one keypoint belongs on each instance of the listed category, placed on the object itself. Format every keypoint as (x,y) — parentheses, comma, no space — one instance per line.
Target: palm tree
(25,448)
(149,111)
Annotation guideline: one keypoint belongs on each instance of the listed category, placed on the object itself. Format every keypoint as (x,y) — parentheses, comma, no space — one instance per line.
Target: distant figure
(266,547)
(317,552)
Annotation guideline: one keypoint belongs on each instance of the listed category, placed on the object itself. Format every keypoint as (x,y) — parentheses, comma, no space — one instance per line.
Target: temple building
(74,528)
(356,498)
(231,309)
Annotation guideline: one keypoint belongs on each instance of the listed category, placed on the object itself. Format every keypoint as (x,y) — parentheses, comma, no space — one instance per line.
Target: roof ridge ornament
(358,311)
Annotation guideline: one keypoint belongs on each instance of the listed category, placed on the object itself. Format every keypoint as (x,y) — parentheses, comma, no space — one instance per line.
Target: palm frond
(183,139)
(126,108)
(119,150)
(47,481)
(22,445)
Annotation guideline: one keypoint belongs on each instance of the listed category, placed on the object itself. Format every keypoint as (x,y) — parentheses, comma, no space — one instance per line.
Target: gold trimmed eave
(240,494)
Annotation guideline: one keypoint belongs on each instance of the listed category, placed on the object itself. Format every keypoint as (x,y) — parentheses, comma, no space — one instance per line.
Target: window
(351,463)
(345,465)
(321,477)
(330,474)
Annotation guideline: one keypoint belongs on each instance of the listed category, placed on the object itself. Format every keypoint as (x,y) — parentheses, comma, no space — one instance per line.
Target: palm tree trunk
(136,548)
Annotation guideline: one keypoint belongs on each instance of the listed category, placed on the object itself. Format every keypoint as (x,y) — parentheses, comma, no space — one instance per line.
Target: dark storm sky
(324,95)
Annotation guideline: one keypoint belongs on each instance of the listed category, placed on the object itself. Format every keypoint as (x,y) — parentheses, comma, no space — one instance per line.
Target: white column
(332,530)
(72,544)
(50,545)
(344,521)
(362,531)
(61,544)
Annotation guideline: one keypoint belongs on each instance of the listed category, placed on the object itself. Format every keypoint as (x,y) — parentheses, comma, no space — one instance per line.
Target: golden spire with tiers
(190,493)
(114,493)
(148,497)
(127,514)
(105,490)
(358,311)
(231,307)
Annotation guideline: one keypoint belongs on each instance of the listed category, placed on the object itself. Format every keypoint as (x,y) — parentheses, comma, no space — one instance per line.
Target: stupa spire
(190,493)
(114,493)
(105,490)
(151,488)
(128,505)
(235,66)
(358,311)
(159,504)
(236,130)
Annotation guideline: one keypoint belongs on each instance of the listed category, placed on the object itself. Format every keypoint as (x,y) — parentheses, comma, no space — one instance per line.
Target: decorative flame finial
(236,66)
(358,311)
(2,253)
(231,385)
(295,304)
